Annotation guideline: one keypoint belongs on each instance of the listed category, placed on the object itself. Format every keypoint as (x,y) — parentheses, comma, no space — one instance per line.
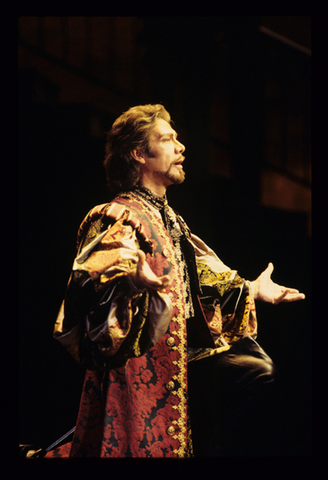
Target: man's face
(163,159)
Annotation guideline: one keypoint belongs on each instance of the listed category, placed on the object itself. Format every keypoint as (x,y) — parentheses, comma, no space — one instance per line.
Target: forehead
(161,127)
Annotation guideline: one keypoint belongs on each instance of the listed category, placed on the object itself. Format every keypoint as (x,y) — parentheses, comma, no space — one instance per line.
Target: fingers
(289,295)
(293,297)
(167,279)
(292,290)
(147,278)
(280,298)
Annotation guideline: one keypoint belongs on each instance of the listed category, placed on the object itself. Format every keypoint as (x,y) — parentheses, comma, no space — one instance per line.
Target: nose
(179,146)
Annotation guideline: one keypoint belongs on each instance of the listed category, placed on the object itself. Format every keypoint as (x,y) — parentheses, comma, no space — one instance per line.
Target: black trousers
(234,403)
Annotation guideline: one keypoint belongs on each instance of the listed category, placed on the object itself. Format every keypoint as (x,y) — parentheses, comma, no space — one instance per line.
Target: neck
(159,190)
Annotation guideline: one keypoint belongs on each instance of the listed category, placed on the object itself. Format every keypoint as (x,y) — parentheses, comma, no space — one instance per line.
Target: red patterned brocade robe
(134,343)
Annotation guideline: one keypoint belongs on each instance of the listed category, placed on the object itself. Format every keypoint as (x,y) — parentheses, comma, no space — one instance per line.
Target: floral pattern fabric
(134,398)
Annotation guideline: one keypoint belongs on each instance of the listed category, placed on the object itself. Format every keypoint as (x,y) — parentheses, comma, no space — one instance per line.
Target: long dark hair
(130,131)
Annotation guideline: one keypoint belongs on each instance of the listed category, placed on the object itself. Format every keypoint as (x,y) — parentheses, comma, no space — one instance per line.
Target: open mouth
(179,162)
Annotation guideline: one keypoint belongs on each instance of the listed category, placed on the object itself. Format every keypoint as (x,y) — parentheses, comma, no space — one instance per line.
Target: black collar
(155,200)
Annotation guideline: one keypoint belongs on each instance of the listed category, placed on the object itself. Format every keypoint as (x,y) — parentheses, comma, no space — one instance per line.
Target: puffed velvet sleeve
(104,319)
(226,298)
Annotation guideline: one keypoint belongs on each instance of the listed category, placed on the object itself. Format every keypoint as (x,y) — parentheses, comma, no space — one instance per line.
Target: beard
(175,176)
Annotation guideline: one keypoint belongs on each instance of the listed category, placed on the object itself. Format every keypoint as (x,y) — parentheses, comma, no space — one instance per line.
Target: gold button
(171,430)
(170,386)
(170,341)
(165,252)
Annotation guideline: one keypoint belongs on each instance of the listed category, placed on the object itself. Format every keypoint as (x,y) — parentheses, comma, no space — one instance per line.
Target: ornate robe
(136,344)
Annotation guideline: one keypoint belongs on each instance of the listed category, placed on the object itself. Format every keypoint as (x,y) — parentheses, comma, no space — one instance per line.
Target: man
(154,314)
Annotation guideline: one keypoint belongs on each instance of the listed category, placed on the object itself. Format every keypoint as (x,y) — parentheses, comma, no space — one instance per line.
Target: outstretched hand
(144,277)
(266,290)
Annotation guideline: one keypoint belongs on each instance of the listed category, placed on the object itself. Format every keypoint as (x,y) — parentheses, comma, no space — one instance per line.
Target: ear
(138,155)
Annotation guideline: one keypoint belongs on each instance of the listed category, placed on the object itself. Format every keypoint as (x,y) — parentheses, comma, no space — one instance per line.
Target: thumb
(141,257)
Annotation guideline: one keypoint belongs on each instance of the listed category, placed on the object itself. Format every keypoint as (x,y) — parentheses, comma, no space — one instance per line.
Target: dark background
(238,89)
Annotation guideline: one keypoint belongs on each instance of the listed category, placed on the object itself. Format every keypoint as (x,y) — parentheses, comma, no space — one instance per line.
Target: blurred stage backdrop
(238,90)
